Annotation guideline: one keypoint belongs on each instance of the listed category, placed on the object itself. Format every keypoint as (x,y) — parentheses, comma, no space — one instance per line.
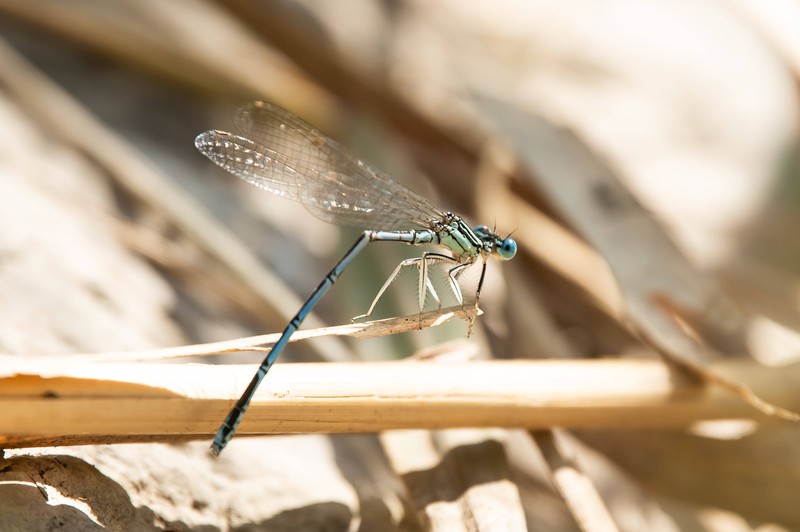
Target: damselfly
(278,152)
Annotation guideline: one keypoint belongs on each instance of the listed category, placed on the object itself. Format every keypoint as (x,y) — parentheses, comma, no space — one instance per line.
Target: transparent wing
(279,152)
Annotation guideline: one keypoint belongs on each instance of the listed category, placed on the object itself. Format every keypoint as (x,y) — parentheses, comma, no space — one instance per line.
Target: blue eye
(507,249)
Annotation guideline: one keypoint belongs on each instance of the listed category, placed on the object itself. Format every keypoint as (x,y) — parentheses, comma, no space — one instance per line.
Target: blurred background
(638,151)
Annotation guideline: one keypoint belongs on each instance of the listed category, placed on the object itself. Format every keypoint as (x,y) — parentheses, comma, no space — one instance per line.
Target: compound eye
(507,249)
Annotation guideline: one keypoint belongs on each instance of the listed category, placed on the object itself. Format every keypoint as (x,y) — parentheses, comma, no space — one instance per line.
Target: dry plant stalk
(262,342)
(577,490)
(145,402)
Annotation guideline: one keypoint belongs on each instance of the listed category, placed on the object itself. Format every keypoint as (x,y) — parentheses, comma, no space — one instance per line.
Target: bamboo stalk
(170,402)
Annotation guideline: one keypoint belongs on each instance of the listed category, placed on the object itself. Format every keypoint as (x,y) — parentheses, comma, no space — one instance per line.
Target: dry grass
(597,275)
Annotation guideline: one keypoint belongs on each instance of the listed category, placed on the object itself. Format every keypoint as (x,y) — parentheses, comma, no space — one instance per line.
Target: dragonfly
(278,152)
